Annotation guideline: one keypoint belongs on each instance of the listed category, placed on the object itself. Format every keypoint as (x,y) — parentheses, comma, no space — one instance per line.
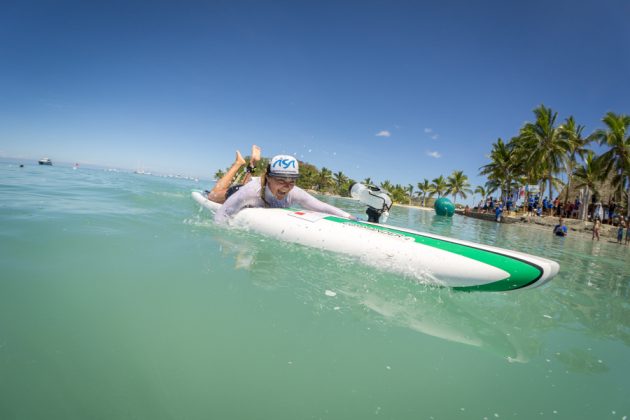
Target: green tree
(324,180)
(543,146)
(341,181)
(616,159)
(398,193)
(308,176)
(481,191)
(577,148)
(424,188)
(409,192)
(503,166)
(387,186)
(587,176)
(458,184)
(439,186)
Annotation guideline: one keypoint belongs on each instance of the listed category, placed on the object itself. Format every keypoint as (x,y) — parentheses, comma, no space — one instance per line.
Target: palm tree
(324,179)
(587,176)
(409,191)
(387,186)
(577,148)
(617,158)
(503,166)
(398,193)
(458,185)
(367,181)
(491,187)
(482,191)
(424,187)
(544,145)
(340,180)
(439,186)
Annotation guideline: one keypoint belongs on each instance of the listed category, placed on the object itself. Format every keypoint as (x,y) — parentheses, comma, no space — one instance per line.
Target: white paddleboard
(430,258)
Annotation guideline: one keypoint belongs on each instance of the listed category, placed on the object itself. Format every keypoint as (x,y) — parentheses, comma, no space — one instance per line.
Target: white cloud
(434,137)
(434,154)
(428,130)
(383,133)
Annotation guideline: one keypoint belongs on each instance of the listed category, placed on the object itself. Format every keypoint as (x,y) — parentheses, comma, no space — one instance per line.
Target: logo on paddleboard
(381,231)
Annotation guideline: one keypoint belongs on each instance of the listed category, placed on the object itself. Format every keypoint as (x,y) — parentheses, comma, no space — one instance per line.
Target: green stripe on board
(521,273)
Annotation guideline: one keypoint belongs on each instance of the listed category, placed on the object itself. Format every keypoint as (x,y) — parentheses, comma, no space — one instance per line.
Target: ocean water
(120,299)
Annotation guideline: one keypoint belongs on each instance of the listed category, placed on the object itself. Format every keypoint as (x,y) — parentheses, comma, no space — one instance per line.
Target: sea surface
(120,299)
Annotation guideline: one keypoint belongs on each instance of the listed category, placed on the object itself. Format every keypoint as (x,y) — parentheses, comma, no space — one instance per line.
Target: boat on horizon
(45,161)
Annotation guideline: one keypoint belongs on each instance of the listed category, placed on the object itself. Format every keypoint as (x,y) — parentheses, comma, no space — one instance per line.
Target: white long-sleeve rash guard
(249,196)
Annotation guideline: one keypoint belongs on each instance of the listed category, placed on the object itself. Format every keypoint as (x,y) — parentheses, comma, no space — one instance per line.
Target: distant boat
(45,161)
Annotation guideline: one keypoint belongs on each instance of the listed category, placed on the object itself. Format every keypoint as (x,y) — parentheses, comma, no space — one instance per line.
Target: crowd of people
(534,206)
(608,214)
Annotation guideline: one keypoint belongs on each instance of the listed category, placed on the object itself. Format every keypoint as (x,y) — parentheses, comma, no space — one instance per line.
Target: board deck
(435,259)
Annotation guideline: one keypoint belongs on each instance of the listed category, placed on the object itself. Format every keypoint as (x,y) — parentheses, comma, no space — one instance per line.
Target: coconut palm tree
(439,186)
(424,187)
(340,180)
(617,158)
(481,191)
(503,166)
(458,184)
(324,179)
(587,176)
(387,186)
(367,181)
(577,148)
(544,145)
(491,187)
(409,191)
(398,193)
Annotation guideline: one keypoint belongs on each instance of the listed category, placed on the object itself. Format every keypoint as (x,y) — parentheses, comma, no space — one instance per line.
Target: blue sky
(177,86)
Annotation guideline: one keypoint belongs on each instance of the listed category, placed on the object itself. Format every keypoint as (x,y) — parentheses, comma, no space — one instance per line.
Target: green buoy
(444,207)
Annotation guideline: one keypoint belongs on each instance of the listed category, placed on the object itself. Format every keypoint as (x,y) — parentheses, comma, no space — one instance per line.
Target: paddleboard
(434,259)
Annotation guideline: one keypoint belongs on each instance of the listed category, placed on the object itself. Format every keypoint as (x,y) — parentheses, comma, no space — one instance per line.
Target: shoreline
(577,228)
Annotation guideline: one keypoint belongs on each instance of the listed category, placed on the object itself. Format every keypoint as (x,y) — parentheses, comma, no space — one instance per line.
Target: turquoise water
(120,299)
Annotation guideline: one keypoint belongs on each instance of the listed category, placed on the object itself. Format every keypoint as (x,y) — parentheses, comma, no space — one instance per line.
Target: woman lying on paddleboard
(276,188)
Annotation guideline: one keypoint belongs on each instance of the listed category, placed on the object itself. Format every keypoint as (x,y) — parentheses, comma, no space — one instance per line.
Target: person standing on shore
(627,231)
(596,227)
(622,223)
(499,211)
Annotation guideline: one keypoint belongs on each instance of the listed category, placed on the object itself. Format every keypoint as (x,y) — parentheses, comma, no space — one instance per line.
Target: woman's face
(280,186)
